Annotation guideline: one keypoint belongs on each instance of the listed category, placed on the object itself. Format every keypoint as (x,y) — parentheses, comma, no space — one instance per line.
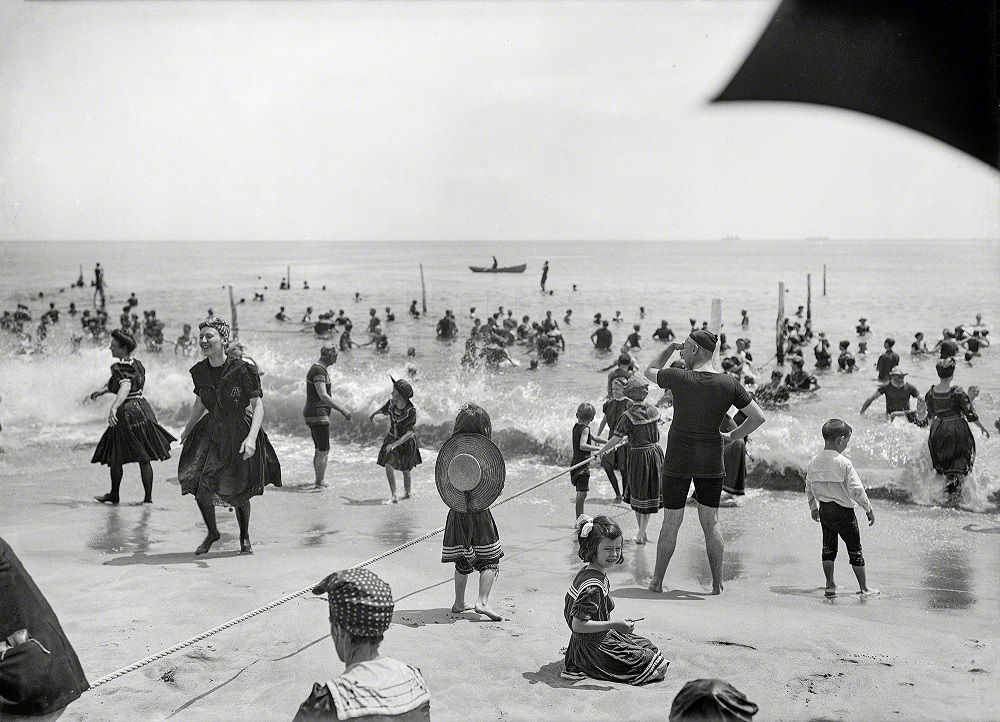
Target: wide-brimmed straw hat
(470,472)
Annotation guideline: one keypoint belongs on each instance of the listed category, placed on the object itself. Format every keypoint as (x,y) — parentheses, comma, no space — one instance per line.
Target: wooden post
(824,280)
(809,296)
(288,277)
(423,290)
(780,325)
(715,326)
(232,310)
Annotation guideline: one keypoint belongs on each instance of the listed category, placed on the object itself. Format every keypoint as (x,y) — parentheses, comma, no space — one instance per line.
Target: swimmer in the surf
(845,362)
(280,315)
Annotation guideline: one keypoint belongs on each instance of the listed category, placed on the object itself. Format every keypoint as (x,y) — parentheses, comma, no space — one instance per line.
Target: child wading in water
(583,445)
(832,488)
(471,539)
(600,648)
(399,449)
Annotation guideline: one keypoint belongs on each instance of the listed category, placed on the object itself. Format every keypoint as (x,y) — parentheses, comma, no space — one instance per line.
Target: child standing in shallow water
(832,488)
(583,445)
(399,448)
(600,648)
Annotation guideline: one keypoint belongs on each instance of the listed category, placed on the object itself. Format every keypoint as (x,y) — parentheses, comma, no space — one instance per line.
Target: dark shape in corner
(928,64)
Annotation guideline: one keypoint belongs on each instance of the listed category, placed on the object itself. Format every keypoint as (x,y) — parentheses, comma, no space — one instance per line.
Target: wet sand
(125,584)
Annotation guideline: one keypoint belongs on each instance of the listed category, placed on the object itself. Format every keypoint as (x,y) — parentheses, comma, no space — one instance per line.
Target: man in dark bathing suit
(695,445)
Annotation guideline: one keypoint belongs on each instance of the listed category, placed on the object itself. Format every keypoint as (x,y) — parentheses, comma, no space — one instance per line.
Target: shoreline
(910,653)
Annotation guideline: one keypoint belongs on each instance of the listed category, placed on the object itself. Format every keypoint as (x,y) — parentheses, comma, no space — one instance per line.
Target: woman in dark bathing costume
(133,436)
(227,457)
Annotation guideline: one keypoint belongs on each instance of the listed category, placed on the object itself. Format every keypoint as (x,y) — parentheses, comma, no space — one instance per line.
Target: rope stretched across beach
(294,595)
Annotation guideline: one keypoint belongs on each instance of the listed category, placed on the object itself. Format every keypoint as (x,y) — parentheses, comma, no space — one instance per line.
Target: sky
(316,120)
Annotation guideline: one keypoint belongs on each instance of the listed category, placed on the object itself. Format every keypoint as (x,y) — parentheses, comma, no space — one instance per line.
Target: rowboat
(499,269)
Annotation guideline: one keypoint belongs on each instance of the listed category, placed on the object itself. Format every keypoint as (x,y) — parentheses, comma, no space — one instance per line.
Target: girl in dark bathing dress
(639,423)
(399,448)
(613,410)
(600,648)
(133,436)
(952,446)
(227,458)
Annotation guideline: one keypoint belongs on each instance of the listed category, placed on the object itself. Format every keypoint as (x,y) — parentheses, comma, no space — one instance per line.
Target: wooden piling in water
(232,311)
(715,326)
(809,296)
(423,290)
(779,326)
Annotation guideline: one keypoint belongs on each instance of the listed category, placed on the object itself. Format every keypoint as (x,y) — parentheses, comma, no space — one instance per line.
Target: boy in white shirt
(832,489)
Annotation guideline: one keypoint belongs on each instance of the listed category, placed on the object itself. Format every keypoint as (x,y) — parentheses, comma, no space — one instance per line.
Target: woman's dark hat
(711,699)
(470,472)
(403,387)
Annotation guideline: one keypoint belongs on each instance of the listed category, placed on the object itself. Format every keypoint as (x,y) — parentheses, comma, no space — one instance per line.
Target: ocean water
(901,287)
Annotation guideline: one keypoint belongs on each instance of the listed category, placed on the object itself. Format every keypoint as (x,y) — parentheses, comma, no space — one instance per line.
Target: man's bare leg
(665,545)
(714,545)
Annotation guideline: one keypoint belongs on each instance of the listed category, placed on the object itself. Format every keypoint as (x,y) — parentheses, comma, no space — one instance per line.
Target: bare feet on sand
(393,500)
(830,591)
(640,539)
(487,611)
(321,485)
(655,586)
(717,589)
(207,544)
(463,607)
(868,593)
(407,495)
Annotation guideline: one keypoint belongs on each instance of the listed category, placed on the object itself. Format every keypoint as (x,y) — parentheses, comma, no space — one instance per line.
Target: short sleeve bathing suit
(315,411)
(695,449)
(701,400)
(898,399)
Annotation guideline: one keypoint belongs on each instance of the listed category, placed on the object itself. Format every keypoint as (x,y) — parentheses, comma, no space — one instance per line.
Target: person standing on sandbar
(695,445)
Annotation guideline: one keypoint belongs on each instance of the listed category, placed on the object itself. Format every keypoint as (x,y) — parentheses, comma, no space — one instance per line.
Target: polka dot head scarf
(359,600)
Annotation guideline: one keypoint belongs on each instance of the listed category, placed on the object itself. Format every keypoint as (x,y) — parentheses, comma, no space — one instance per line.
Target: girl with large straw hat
(469,474)
(399,448)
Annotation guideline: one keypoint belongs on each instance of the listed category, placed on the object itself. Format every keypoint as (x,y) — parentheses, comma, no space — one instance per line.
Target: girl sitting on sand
(598,647)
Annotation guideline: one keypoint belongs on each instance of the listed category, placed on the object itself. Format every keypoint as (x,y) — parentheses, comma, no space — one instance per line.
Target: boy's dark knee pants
(838,521)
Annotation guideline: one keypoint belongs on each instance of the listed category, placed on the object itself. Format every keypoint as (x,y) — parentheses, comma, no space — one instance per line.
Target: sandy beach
(125,584)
